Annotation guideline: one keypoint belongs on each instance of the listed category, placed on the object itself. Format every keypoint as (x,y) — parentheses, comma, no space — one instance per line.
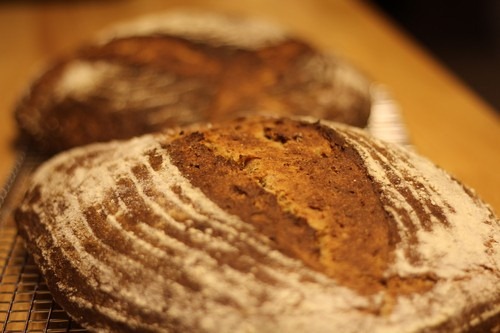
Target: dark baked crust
(262,225)
(243,185)
(134,84)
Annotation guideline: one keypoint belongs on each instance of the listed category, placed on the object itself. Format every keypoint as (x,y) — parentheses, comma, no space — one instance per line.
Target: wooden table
(445,120)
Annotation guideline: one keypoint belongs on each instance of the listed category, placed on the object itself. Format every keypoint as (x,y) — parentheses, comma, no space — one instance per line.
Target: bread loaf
(262,225)
(185,67)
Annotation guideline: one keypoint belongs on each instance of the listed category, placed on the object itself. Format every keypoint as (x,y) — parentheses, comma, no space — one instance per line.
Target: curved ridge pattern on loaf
(131,236)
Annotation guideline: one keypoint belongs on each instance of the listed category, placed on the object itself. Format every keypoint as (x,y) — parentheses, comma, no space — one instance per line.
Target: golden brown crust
(132,85)
(262,225)
(303,187)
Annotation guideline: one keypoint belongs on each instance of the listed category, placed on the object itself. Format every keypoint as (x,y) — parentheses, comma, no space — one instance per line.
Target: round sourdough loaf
(262,225)
(185,67)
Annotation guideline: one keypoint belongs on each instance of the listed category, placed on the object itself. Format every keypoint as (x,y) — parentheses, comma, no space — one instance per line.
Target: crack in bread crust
(303,187)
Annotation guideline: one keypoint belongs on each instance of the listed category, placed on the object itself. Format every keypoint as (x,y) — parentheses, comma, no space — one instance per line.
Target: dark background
(464,35)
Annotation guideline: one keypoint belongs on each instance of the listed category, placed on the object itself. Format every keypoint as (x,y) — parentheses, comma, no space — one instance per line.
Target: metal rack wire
(26,304)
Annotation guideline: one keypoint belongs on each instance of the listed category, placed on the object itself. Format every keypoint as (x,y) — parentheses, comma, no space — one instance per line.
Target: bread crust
(182,68)
(246,226)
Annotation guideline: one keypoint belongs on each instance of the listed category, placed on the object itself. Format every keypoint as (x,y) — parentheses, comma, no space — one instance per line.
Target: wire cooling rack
(26,304)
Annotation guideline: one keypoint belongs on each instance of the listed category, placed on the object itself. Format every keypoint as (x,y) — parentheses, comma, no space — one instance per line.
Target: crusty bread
(185,67)
(262,225)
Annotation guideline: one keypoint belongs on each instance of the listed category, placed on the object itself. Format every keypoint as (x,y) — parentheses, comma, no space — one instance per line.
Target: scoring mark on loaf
(305,188)
(234,80)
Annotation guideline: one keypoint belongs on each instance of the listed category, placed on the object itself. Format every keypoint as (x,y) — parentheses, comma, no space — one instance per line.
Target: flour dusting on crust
(203,26)
(186,262)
